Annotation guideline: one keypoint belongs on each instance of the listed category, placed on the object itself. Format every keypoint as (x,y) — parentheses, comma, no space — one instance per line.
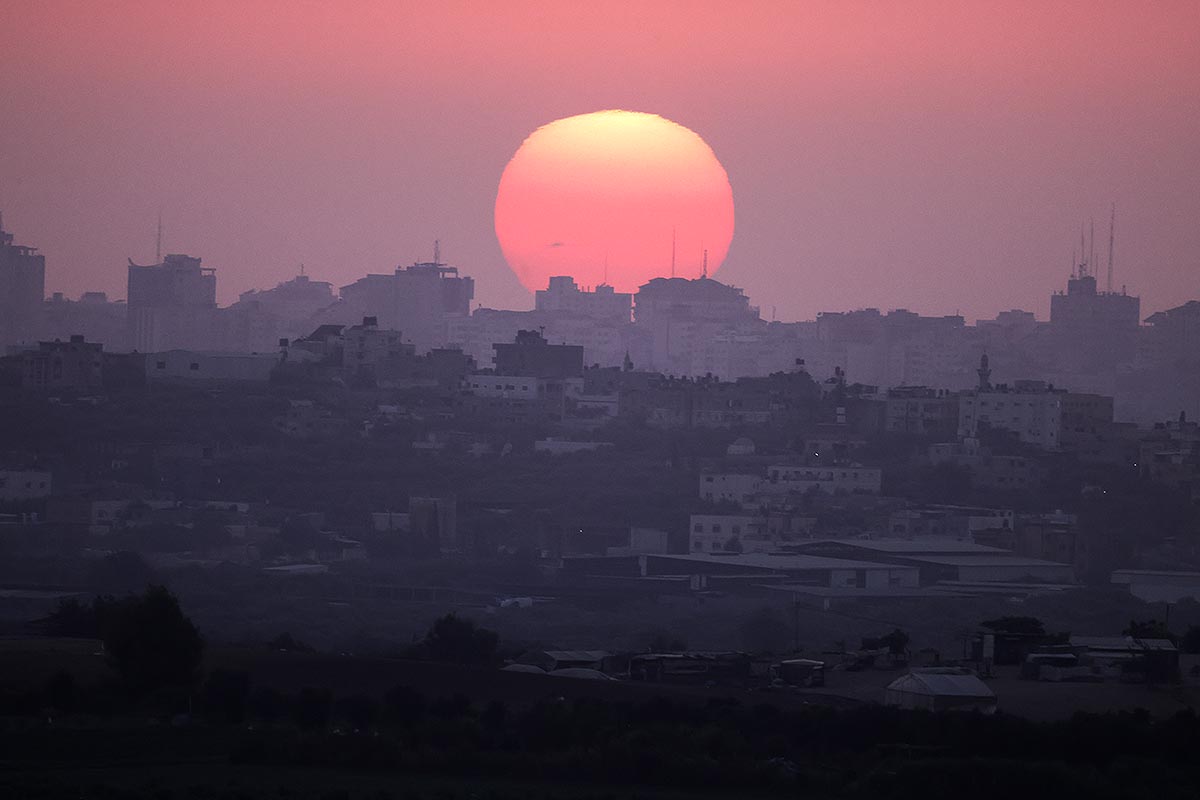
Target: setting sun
(613,196)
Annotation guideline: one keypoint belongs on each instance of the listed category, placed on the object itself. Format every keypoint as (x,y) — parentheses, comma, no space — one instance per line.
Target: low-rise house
(844,479)
(191,365)
(947,560)
(1159,586)
(737,488)
(18,485)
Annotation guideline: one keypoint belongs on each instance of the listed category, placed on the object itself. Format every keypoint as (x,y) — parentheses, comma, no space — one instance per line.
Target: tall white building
(1029,409)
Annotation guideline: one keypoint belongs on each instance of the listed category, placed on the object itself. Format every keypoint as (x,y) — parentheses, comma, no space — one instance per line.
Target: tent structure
(941,690)
(527,668)
(581,672)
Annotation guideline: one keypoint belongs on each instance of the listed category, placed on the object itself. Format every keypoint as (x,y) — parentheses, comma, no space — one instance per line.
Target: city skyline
(939,161)
(1090,262)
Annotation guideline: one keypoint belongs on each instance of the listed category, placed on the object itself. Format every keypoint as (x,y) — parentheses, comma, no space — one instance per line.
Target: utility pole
(672,251)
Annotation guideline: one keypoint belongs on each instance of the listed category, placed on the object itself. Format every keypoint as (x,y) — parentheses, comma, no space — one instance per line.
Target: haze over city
(939,158)
(575,400)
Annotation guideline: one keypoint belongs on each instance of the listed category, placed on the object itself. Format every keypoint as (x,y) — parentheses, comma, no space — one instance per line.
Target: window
(737,529)
(698,528)
(193,366)
(716,528)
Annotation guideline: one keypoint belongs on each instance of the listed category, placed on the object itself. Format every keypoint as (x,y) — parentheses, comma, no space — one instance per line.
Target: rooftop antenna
(1112,225)
(672,251)
(1092,243)
(1082,253)
(605,267)
(704,270)
(158,240)
(301,269)
(437,251)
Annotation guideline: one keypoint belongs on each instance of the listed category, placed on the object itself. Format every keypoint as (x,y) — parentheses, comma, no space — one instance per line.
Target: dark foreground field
(303,725)
(219,779)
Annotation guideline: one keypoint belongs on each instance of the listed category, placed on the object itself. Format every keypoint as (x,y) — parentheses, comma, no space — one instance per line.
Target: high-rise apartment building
(22,288)
(416,299)
(172,305)
(563,296)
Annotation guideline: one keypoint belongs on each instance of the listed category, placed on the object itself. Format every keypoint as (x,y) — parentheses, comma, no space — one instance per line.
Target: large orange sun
(611,197)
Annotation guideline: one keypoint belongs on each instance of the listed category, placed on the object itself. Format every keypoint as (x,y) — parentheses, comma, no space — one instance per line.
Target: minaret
(984,373)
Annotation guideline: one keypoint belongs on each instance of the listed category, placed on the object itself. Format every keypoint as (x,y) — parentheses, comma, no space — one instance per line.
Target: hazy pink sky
(934,156)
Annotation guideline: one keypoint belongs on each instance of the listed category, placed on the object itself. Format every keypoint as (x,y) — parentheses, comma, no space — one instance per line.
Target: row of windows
(28,484)
(716,528)
(508,387)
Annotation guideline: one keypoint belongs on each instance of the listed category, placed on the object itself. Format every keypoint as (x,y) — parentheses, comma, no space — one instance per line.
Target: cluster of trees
(146,637)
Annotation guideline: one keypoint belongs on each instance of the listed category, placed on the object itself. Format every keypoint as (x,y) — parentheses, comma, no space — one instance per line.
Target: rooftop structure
(416,299)
(702,299)
(1083,306)
(529,355)
(603,303)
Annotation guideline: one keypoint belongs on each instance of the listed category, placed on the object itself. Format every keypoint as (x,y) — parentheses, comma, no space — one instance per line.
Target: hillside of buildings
(1097,340)
(661,491)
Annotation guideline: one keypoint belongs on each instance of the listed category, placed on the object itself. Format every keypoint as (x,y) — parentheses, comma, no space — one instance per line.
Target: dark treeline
(724,747)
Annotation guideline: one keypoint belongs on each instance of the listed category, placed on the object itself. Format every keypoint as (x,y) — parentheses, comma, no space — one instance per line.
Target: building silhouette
(172,305)
(22,288)
(417,299)
(563,296)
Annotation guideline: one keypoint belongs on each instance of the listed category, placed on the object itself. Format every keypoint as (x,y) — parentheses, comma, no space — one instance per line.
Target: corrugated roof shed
(782,562)
(578,655)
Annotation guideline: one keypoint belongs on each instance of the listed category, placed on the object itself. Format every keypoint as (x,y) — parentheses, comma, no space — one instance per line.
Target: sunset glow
(619,188)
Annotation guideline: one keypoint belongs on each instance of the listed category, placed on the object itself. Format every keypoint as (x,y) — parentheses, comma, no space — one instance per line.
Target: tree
(1149,629)
(896,642)
(286,643)
(122,572)
(1190,643)
(225,695)
(358,711)
(403,705)
(75,619)
(313,707)
(460,641)
(150,641)
(664,642)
